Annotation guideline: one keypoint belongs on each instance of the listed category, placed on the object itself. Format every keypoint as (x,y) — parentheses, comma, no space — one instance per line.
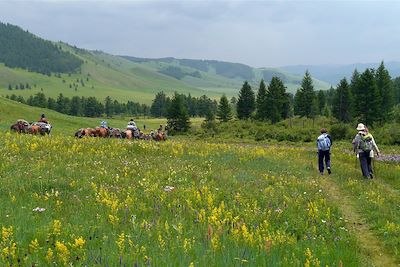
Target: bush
(341,131)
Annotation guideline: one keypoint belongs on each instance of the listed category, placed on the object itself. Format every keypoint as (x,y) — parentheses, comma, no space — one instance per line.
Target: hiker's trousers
(321,156)
(365,162)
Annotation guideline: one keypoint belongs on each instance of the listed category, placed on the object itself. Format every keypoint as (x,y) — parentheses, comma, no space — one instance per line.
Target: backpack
(366,143)
(324,143)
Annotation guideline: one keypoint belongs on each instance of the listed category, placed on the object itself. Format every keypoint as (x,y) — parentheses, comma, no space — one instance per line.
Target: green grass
(231,205)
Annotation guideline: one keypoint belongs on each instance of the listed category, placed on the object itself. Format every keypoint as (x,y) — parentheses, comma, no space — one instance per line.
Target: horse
(21,126)
(115,133)
(45,128)
(160,136)
(102,132)
(85,132)
(34,129)
(128,134)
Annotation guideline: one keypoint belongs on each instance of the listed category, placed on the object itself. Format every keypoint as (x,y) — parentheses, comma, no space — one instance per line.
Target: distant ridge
(333,73)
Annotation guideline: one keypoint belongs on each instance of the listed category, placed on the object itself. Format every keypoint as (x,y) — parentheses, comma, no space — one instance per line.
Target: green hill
(220,76)
(124,78)
(19,48)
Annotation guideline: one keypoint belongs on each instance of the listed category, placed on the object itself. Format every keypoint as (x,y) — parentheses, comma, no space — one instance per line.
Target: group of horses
(117,133)
(35,128)
(42,128)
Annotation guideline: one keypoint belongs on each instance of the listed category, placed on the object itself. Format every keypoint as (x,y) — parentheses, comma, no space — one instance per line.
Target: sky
(257,33)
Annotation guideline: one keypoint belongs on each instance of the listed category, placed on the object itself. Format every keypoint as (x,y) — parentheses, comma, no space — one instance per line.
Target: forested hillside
(19,48)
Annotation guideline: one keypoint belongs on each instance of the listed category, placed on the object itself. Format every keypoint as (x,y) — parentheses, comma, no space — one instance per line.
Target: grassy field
(187,202)
(100,202)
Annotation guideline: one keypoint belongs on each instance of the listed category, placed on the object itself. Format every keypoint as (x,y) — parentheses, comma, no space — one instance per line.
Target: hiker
(364,145)
(131,125)
(43,119)
(324,143)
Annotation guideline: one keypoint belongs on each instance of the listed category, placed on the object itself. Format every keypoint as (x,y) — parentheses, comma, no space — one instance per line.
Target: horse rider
(43,119)
(103,124)
(131,126)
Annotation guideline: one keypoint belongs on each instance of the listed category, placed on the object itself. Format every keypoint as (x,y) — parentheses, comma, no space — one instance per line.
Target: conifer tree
(356,92)
(386,92)
(321,101)
(368,98)
(108,106)
(224,112)
(305,99)
(261,102)
(178,118)
(246,102)
(342,102)
(277,100)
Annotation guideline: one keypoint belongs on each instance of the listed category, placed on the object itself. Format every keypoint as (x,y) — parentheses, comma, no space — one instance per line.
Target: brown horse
(128,134)
(21,126)
(160,136)
(102,132)
(34,129)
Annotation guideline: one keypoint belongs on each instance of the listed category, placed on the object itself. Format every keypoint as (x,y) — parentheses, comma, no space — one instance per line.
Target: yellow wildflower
(49,255)
(34,246)
(79,243)
(56,227)
(62,252)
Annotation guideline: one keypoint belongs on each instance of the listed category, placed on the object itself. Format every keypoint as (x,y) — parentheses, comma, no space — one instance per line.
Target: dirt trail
(371,246)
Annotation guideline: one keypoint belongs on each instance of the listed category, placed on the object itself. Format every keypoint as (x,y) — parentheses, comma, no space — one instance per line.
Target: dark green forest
(21,49)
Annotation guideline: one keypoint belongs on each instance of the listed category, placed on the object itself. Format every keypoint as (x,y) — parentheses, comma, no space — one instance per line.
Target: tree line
(84,106)
(21,49)
(370,97)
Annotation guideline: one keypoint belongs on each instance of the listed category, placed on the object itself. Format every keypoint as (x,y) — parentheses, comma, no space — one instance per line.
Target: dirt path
(372,247)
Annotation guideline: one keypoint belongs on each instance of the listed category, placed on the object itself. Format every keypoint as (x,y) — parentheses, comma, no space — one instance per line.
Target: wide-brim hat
(360,127)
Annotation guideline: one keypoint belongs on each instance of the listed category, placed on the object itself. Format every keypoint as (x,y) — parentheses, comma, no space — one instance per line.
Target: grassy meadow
(187,201)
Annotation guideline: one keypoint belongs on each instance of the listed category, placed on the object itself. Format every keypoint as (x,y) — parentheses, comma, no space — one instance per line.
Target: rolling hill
(121,77)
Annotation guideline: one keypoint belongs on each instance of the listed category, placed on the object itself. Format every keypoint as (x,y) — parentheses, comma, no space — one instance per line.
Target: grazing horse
(115,133)
(34,129)
(21,126)
(102,132)
(45,128)
(160,137)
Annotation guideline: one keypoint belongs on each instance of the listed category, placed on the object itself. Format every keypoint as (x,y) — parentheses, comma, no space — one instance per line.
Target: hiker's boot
(329,170)
(371,176)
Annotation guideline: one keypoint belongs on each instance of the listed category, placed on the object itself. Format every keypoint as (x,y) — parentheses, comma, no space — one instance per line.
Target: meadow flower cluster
(179,203)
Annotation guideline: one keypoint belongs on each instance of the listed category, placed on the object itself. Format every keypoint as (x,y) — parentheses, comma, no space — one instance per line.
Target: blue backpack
(324,143)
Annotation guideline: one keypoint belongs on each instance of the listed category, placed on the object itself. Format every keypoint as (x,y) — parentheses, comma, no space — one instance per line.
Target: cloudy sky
(258,33)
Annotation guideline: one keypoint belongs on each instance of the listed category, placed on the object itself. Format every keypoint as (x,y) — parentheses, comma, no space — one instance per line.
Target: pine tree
(277,100)
(369,98)
(224,112)
(159,107)
(357,93)
(246,102)
(386,92)
(178,118)
(321,101)
(305,99)
(108,106)
(342,102)
(261,105)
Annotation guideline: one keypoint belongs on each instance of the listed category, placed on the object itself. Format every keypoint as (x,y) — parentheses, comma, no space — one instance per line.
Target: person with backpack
(364,145)
(324,143)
